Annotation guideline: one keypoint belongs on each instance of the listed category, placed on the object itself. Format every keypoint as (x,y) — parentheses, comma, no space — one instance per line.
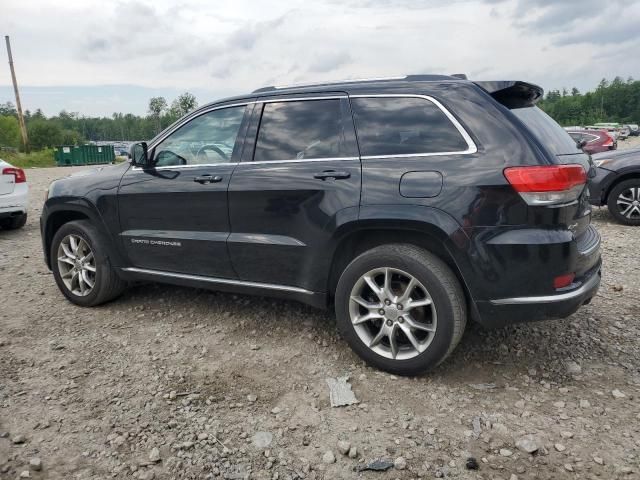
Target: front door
(298,180)
(174,215)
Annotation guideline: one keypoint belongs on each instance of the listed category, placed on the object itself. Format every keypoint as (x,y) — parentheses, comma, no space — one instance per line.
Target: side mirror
(139,154)
(581,144)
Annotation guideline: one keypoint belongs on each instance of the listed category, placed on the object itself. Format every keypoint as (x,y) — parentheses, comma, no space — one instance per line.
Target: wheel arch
(58,214)
(621,178)
(433,230)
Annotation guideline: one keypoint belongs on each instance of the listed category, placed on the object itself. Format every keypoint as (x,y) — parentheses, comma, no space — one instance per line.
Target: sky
(96,57)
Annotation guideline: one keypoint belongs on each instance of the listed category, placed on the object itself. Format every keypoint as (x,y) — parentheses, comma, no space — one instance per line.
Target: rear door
(299,178)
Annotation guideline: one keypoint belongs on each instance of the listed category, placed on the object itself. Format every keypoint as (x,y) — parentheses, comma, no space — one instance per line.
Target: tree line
(612,101)
(70,128)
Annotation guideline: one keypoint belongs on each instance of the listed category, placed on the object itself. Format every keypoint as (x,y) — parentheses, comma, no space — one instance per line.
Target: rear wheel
(400,308)
(13,223)
(81,266)
(624,202)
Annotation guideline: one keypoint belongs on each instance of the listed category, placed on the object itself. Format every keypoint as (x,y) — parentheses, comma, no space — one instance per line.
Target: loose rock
(35,464)
(328,457)
(400,463)
(527,444)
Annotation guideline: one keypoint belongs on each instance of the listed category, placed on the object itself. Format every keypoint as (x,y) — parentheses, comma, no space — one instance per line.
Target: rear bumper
(16,202)
(505,311)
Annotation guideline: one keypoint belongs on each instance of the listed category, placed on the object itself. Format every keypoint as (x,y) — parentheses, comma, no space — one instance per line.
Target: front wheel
(624,202)
(81,266)
(400,308)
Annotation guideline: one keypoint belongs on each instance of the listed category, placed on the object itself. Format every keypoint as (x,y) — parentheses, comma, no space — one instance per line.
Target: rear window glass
(546,130)
(309,129)
(404,126)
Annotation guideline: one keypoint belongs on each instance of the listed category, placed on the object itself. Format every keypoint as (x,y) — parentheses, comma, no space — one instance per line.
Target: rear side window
(306,129)
(404,126)
(546,130)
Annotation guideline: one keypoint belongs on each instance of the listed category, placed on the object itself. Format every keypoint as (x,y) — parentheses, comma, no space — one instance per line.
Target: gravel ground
(170,382)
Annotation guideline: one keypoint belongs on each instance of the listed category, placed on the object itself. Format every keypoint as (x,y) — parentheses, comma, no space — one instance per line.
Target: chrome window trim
(299,99)
(180,167)
(471,146)
(301,160)
(222,281)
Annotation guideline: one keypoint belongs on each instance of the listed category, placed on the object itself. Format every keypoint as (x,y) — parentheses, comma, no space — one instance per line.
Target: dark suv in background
(409,205)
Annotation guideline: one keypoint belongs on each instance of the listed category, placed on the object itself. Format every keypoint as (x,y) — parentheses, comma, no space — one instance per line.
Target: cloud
(223,48)
(329,61)
(575,22)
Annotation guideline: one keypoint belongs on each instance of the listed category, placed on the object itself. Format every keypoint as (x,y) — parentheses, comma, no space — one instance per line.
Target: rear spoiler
(513,93)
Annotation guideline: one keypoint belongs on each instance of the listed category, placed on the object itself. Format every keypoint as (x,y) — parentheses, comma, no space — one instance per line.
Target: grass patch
(43,158)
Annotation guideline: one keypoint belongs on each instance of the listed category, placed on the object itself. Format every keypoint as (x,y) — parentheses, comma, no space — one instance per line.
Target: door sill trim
(219,281)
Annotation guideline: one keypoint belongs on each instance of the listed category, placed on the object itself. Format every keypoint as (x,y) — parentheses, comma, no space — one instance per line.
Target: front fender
(60,210)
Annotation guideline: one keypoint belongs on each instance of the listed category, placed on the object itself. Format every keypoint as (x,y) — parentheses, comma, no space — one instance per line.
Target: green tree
(157,105)
(9,131)
(184,104)
(44,133)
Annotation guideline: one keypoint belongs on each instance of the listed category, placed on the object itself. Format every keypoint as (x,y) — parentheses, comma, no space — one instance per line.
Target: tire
(629,189)
(107,285)
(14,223)
(446,315)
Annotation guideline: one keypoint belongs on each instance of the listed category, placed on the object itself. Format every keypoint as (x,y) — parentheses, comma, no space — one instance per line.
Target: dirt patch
(208,378)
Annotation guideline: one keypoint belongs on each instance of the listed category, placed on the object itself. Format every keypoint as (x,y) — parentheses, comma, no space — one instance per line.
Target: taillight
(608,142)
(16,172)
(547,184)
(562,281)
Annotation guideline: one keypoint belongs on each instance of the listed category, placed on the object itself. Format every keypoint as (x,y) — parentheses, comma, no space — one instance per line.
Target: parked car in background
(14,196)
(634,129)
(613,131)
(621,132)
(617,184)
(407,205)
(593,141)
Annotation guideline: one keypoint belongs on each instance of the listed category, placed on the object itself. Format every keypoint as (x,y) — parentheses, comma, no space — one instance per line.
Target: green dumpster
(84,154)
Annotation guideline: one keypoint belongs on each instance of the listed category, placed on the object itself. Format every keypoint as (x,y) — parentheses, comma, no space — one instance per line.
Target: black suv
(409,205)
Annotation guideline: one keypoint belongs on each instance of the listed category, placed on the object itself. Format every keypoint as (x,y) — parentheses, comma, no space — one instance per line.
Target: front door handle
(331,174)
(205,179)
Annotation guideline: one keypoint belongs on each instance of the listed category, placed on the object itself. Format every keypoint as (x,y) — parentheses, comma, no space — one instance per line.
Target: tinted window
(209,138)
(546,130)
(301,129)
(403,126)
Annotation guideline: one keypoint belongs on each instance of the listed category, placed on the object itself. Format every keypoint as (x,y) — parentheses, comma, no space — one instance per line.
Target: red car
(595,141)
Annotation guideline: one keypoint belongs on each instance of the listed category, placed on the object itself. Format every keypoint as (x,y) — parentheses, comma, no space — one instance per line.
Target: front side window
(208,138)
(305,129)
(404,126)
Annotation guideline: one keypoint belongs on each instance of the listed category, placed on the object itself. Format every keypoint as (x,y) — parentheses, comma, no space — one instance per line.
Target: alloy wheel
(629,203)
(77,265)
(392,313)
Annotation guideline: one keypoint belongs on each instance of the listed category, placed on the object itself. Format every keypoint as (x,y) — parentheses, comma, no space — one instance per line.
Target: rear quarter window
(546,130)
(390,126)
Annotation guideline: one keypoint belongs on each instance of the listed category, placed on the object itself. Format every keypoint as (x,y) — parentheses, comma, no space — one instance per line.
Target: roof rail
(408,78)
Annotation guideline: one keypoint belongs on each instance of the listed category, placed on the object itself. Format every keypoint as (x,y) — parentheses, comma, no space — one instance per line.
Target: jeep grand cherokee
(408,205)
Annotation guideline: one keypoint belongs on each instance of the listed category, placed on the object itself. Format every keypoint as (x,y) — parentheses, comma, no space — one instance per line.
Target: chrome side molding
(219,281)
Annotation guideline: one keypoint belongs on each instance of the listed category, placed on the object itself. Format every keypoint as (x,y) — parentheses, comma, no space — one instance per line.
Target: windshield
(546,130)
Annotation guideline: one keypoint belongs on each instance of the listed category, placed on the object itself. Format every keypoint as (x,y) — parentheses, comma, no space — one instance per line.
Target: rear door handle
(205,179)
(332,174)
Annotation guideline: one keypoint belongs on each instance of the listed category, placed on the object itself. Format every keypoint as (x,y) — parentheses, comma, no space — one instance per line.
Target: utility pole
(23,127)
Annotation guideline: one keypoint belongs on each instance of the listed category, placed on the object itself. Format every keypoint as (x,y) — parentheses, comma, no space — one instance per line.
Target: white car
(14,196)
